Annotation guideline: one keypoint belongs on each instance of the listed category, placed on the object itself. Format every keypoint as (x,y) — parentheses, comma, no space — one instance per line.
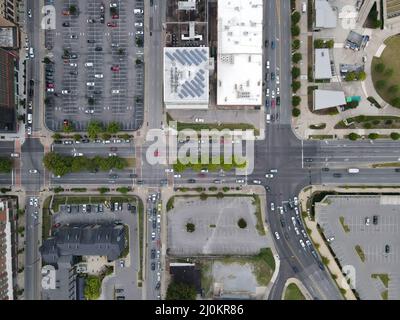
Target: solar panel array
(191,88)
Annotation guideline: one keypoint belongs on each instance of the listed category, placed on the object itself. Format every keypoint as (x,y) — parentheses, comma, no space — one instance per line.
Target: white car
(122,263)
(114,91)
(177,175)
(294,221)
(78,154)
(31,201)
(277,235)
(65,91)
(267,93)
(257,181)
(296,201)
(139,32)
(199,120)
(90,84)
(297,231)
(303,233)
(158,218)
(296,210)
(138,24)
(153,236)
(50,89)
(35,202)
(138,11)
(112,154)
(308,243)
(239,180)
(267,64)
(302,243)
(272,206)
(72,64)
(29,130)
(169,170)
(113,5)
(330,239)
(269,175)
(367,221)
(98,75)
(273,170)
(277,79)
(30,13)
(273,94)
(33,171)
(281,210)
(88,64)
(277,90)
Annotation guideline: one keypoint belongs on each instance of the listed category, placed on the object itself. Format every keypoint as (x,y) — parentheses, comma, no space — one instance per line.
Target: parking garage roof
(186,82)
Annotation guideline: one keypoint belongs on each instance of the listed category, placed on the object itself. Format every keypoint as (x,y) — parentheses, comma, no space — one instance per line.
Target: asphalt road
(124,150)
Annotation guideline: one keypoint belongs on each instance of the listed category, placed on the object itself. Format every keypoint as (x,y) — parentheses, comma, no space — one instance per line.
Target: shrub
(353,136)
(220,195)
(367,125)
(296,57)
(226,189)
(395,102)
(393,89)
(296,101)
(212,189)
(123,190)
(295,112)
(242,223)
(373,136)
(296,86)
(295,30)
(380,67)
(395,135)
(190,227)
(203,196)
(103,190)
(295,72)
(296,44)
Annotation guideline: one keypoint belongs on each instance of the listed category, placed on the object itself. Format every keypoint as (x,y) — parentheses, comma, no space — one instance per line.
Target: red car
(115,16)
(156,153)
(273,103)
(65,13)
(111,24)
(115,68)
(50,85)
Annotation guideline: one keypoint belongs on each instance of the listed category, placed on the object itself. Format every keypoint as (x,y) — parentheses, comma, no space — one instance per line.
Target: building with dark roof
(61,252)
(8,64)
(187,273)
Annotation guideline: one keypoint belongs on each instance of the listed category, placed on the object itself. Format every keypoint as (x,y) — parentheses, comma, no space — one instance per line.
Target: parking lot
(216,227)
(98,68)
(377,237)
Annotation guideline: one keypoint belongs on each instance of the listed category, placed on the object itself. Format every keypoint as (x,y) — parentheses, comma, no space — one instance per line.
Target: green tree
(5,165)
(296,57)
(367,125)
(296,101)
(77,137)
(139,42)
(380,67)
(395,136)
(46,60)
(318,43)
(94,128)
(138,61)
(393,89)
(362,76)
(123,190)
(296,17)
(296,44)
(377,24)
(295,30)
(190,227)
(330,44)
(180,291)
(353,136)
(106,136)
(351,76)
(296,86)
(113,127)
(72,9)
(103,190)
(373,136)
(380,84)
(295,112)
(92,288)
(68,128)
(125,136)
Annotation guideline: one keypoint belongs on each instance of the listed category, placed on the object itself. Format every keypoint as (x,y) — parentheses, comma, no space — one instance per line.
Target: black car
(102,18)
(272,45)
(266,43)
(191,181)
(267,189)
(375,219)
(134,209)
(153,266)
(112,206)
(133,175)
(85,140)
(278,100)
(89,208)
(272,76)
(119,290)
(158,285)
(320,265)
(283,223)
(128,206)
(153,253)
(308,159)
(154,224)
(325,169)
(387,248)
(65,24)
(154,211)
(397,169)
(121,298)
(91,41)
(98,49)
(337,175)
(140,181)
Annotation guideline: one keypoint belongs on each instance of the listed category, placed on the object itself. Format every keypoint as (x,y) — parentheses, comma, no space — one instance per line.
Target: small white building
(325,16)
(322,67)
(324,99)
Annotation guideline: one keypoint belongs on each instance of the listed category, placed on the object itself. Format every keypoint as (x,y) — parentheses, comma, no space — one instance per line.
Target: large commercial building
(7,248)
(60,254)
(239,64)
(186,77)
(9,10)
(391,11)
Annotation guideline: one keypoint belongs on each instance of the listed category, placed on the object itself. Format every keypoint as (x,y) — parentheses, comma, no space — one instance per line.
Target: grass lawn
(360,252)
(293,292)
(140,211)
(390,59)
(375,122)
(383,276)
(385,294)
(210,126)
(46,224)
(386,165)
(259,225)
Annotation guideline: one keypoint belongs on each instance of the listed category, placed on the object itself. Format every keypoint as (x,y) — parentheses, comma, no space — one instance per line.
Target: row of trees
(382,84)
(296,58)
(356,76)
(61,165)
(96,127)
(354,136)
(323,44)
(180,167)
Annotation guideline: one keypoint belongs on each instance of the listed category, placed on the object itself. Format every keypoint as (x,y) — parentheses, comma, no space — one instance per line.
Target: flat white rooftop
(186,82)
(322,64)
(325,16)
(239,65)
(324,99)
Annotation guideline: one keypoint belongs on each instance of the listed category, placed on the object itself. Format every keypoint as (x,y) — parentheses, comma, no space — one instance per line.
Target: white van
(353,170)
(29,117)
(268,118)
(88,64)
(304,7)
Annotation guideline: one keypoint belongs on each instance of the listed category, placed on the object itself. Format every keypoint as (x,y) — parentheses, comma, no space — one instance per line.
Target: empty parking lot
(216,227)
(98,67)
(348,221)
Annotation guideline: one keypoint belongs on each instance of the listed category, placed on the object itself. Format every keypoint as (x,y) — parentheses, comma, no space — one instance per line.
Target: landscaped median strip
(360,252)
(346,228)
